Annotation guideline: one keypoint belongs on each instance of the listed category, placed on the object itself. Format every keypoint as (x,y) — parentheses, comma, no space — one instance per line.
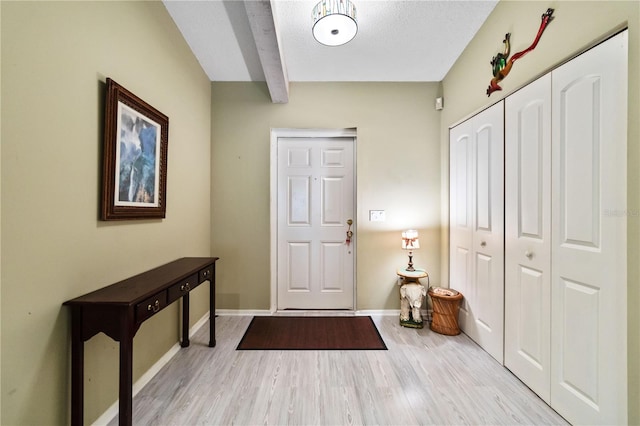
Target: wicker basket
(445,313)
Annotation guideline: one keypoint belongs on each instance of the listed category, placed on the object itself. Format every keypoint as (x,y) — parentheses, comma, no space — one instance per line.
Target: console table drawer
(150,306)
(206,273)
(178,290)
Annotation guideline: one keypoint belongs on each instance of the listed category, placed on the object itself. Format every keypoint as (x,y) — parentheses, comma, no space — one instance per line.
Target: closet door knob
(483,244)
(528,254)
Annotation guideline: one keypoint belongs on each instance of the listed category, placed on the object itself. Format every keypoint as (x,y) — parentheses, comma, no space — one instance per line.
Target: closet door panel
(579,161)
(477,226)
(482,178)
(484,302)
(528,235)
(589,248)
(534,344)
(488,225)
(460,220)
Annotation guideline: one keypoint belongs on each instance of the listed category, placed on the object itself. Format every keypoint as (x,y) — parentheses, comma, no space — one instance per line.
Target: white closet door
(487,294)
(460,215)
(528,235)
(588,329)
(477,226)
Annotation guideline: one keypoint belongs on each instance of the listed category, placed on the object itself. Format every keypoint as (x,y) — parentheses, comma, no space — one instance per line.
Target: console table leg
(126,379)
(212,309)
(185,321)
(77,368)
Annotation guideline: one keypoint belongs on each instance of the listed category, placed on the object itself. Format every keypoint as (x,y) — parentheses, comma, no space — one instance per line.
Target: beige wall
(577,26)
(398,170)
(55,58)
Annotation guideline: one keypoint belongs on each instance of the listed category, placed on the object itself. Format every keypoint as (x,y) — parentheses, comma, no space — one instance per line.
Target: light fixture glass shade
(410,240)
(334,22)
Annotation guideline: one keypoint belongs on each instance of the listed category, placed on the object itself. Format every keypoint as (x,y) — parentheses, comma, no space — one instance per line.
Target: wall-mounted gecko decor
(501,64)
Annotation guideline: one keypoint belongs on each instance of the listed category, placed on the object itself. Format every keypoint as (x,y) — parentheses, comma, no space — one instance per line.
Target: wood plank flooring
(423,378)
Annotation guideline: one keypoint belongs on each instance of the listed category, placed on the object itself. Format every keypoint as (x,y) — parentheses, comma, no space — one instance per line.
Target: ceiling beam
(265,34)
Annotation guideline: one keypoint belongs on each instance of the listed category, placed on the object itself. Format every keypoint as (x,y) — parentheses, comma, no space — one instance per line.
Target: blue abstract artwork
(137,158)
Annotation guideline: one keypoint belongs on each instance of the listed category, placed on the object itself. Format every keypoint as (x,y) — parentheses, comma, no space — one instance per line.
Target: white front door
(528,235)
(315,201)
(589,250)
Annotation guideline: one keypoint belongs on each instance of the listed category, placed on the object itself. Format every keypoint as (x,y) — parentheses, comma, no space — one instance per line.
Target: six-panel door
(315,203)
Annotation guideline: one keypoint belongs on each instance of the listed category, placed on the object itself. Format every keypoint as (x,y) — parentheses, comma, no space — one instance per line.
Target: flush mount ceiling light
(334,22)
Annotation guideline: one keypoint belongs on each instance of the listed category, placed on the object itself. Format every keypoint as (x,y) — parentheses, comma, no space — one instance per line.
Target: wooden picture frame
(134,174)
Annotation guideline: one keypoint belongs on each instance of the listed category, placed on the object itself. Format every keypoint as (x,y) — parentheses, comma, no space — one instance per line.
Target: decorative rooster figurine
(500,63)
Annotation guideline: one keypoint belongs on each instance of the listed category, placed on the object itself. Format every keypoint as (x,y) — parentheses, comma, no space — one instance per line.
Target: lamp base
(410,265)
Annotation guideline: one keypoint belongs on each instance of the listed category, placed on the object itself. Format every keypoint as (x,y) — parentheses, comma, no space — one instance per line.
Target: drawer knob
(206,273)
(155,307)
(185,287)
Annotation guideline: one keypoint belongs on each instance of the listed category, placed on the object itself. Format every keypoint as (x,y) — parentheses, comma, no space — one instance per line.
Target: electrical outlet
(376,216)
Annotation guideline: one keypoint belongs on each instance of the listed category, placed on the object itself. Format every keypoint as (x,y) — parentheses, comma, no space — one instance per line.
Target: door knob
(528,254)
(483,244)
(349,231)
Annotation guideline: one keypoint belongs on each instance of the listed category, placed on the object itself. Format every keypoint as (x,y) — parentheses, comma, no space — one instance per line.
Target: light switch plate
(376,216)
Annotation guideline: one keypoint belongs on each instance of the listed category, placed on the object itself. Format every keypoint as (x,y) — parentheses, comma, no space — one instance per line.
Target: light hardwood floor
(423,378)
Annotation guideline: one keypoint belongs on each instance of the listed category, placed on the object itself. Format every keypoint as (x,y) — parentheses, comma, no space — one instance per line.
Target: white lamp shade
(412,244)
(334,22)
(410,240)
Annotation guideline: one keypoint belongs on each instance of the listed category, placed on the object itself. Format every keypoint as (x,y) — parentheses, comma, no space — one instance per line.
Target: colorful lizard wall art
(501,63)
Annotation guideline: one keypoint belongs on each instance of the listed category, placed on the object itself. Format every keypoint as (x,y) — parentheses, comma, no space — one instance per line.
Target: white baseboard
(266,312)
(112,411)
(379,312)
(427,314)
(243,312)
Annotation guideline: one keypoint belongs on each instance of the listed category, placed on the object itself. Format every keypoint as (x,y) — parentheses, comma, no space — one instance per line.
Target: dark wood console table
(118,311)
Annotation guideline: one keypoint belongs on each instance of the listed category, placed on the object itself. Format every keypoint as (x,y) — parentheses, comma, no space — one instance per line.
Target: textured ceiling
(415,40)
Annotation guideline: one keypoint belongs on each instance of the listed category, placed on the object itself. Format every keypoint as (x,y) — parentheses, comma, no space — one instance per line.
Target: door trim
(273,195)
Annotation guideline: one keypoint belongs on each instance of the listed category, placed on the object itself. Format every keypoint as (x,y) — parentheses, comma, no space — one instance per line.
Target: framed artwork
(134,174)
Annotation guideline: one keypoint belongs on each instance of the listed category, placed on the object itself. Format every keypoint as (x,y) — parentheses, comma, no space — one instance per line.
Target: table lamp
(410,242)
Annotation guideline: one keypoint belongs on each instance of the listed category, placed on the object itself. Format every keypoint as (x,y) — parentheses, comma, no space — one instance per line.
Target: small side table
(412,295)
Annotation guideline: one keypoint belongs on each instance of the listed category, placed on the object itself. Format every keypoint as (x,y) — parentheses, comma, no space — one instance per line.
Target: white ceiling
(397,40)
